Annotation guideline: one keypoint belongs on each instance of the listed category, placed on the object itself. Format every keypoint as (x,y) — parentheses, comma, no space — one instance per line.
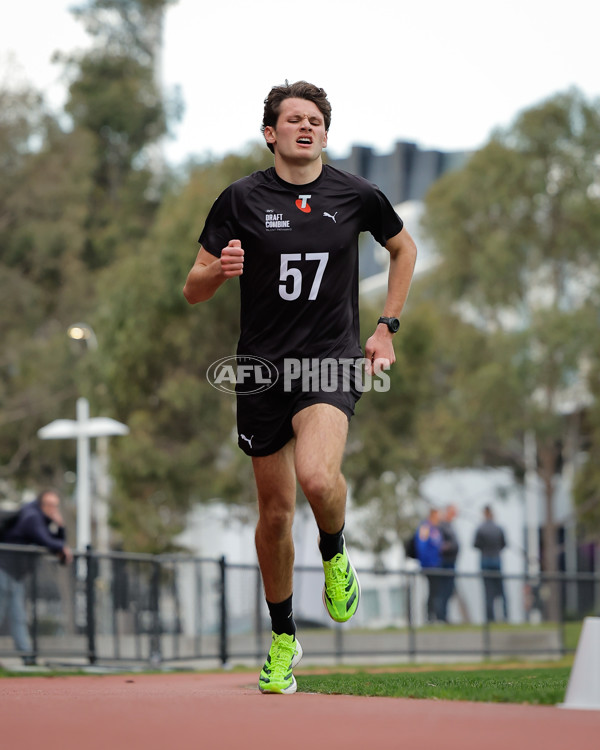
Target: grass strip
(543,686)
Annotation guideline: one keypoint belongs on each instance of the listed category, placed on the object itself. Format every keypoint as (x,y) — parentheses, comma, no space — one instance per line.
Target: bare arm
(403,254)
(209,272)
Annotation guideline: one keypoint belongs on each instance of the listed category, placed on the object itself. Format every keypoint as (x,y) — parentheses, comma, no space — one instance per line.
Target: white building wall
(217,529)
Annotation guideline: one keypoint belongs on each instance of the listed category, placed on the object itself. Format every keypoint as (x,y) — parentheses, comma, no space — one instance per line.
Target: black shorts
(264,420)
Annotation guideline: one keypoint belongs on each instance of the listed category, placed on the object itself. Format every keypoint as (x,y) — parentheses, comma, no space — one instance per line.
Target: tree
(150,370)
(44,187)
(116,97)
(71,201)
(518,235)
(587,484)
(86,235)
(126,25)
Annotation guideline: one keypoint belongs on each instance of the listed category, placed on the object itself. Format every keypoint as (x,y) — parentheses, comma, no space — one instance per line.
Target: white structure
(375,287)
(583,690)
(83,429)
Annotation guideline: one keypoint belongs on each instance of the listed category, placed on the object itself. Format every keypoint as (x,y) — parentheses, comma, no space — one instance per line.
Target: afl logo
(242,375)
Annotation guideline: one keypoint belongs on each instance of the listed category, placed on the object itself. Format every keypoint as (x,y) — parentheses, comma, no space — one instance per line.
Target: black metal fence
(121,608)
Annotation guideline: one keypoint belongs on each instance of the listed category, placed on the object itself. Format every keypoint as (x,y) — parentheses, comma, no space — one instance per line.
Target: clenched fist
(232,259)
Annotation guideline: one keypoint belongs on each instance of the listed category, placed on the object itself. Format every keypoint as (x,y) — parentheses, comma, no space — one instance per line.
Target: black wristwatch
(392,323)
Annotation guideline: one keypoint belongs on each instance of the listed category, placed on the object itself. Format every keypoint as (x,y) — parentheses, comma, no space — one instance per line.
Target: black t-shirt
(299,289)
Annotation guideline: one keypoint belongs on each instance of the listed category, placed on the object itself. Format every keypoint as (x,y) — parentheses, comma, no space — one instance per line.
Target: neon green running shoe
(276,675)
(341,591)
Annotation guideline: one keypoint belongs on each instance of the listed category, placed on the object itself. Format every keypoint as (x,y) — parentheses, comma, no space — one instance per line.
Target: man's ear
(269,134)
(325,140)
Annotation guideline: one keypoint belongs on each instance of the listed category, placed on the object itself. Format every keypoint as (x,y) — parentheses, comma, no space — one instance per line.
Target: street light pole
(83,429)
(84,511)
(85,333)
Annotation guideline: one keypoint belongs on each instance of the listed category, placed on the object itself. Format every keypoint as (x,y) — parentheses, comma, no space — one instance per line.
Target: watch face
(393,324)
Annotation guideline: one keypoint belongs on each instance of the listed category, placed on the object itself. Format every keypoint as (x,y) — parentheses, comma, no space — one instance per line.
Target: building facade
(404,176)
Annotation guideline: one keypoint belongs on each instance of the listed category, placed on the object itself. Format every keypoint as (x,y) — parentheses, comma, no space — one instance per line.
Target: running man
(290,233)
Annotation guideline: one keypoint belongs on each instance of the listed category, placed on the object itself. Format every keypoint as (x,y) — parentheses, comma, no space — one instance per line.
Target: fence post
(34,607)
(561,584)
(223,612)
(412,641)
(487,641)
(175,594)
(90,598)
(198,609)
(155,644)
(339,643)
(257,618)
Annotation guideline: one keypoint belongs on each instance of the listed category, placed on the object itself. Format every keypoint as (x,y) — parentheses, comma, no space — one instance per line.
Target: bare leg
(276,486)
(321,431)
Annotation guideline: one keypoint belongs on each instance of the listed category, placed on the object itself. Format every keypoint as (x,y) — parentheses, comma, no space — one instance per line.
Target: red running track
(226,711)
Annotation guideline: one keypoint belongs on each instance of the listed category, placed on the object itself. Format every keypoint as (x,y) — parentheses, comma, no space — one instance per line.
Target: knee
(276,518)
(320,486)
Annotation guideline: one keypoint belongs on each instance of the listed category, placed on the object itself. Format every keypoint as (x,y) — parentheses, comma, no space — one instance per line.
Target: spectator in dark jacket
(428,541)
(449,553)
(490,540)
(40,523)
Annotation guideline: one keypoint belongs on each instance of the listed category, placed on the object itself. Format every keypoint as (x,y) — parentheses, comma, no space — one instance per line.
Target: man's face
(300,131)
(50,503)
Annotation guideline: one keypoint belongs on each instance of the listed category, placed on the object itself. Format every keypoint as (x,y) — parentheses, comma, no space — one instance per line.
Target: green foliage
(518,235)
(70,202)
(124,25)
(477,208)
(526,200)
(43,196)
(115,98)
(150,372)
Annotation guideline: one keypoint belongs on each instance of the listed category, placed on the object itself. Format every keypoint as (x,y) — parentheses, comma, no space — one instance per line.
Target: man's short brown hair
(298,90)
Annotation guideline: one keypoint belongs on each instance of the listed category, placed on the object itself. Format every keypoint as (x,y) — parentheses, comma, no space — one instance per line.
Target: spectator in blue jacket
(41,523)
(429,553)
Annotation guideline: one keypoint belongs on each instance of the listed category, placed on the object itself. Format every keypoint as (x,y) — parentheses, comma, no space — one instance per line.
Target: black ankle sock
(331,544)
(282,617)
